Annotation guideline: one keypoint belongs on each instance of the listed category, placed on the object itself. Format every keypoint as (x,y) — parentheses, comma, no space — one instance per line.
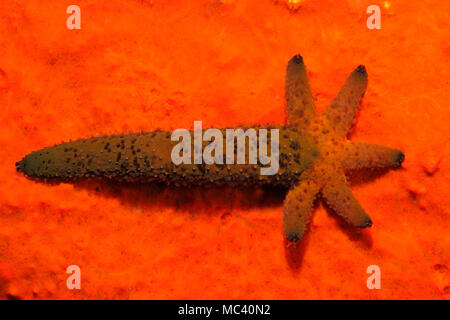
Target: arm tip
(293,237)
(400,159)
(297,59)
(361,69)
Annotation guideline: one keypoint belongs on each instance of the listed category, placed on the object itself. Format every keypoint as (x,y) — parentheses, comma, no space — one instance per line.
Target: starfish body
(314,155)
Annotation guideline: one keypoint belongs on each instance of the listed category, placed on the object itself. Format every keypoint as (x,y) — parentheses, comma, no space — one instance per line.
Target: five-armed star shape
(337,153)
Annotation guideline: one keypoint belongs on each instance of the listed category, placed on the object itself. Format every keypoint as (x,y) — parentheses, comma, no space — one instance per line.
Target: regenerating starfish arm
(299,101)
(358,155)
(297,209)
(342,110)
(340,198)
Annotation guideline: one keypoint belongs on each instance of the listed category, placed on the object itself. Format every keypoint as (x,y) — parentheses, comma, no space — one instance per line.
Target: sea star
(337,153)
(314,155)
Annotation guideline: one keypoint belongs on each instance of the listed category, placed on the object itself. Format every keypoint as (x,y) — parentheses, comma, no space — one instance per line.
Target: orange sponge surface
(139,65)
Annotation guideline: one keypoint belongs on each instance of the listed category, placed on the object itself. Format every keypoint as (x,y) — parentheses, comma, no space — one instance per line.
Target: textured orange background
(142,65)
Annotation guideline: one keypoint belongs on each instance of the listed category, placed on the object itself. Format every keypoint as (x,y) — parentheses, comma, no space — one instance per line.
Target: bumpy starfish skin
(314,155)
(336,153)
